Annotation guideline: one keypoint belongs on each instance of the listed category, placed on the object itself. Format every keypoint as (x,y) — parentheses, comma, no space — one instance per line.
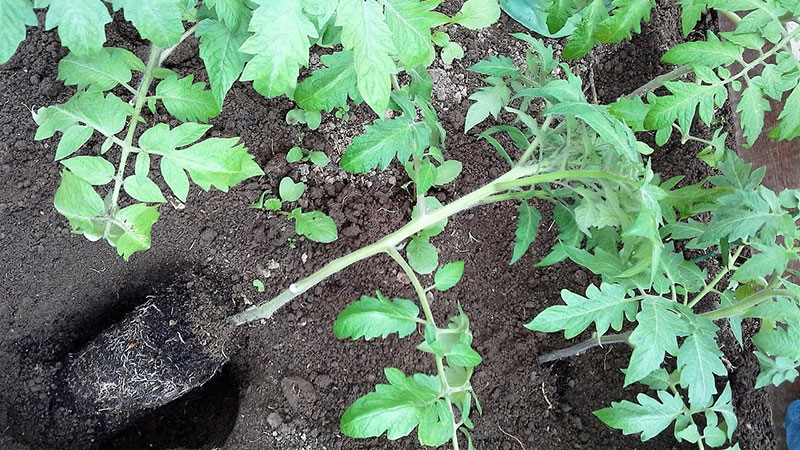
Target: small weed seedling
(299,154)
(314,225)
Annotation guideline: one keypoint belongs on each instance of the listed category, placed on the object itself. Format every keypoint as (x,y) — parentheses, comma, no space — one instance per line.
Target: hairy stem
(426,309)
(577,349)
(165,54)
(710,286)
(127,144)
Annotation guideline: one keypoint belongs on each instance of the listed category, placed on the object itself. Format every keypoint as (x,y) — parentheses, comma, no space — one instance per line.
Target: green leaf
(436,425)
(259,285)
(477,14)
(73,138)
(698,361)
(158,21)
(583,38)
(605,307)
(499,66)
(318,158)
(739,216)
(187,101)
(558,13)
(102,70)
(607,126)
(655,335)
(431,204)
(143,189)
(395,408)
(371,317)
(751,108)
(219,50)
(233,13)
(328,88)
(294,155)
(649,417)
(447,172)
(316,226)
(136,222)
(448,275)
(769,259)
(106,114)
(462,355)
(92,169)
(451,52)
(568,235)
(691,11)
(775,371)
(527,226)
(289,190)
(365,32)
(279,44)
(426,177)
(724,407)
(789,119)
(77,200)
(488,100)
(410,22)
(14,15)
(175,178)
(711,53)
(382,141)
(682,104)
(81,24)
(626,18)
(422,255)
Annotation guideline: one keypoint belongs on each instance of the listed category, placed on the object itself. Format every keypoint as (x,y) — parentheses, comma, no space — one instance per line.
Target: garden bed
(288,384)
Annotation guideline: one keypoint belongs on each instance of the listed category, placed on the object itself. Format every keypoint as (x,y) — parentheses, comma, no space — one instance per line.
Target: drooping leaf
(626,18)
(14,16)
(410,22)
(316,226)
(187,101)
(654,336)
(607,126)
(77,200)
(219,50)
(789,118)
(158,21)
(329,88)
(102,70)
(422,255)
(365,32)
(280,44)
(649,417)
(448,275)
(477,14)
(382,141)
(527,227)
(81,24)
(395,408)
(371,317)
(605,307)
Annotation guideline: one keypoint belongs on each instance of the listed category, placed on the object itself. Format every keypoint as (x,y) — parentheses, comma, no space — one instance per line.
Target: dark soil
(288,384)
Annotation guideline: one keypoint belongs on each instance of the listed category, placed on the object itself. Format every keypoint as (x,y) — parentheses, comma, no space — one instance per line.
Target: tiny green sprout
(290,191)
(315,225)
(292,242)
(298,116)
(299,154)
(259,285)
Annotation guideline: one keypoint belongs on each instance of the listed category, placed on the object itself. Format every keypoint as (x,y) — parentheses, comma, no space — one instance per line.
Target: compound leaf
(14,16)
(328,88)
(158,21)
(365,32)
(606,307)
(280,44)
(371,317)
(106,114)
(682,104)
(81,24)
(187,101)
(627,17)
(219,50)
(410,21)
(395,408)
(384,140)
(649,417)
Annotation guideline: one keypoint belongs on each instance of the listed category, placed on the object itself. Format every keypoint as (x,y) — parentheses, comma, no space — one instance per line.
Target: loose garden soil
(289,379)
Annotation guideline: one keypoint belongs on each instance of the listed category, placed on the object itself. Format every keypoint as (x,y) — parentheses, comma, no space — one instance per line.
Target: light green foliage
(219,50)
(14,16)
(422,255)
(383,141)
(410,22)
(372,317)
(297,154)
(527,226)
(158,21)
(649,416)
(626,18)
(233,13)
(488,101)
(448,275)
(330,87)
(289,190)
(81,23)
(314,225)
(187,101)
(279,45)
(477,14)
(103,70)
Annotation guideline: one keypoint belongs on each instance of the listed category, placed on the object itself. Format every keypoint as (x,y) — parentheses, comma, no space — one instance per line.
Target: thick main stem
(127,144)
(577,349)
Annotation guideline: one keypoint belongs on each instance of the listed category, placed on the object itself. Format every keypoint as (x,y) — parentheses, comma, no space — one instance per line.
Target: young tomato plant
(314,225)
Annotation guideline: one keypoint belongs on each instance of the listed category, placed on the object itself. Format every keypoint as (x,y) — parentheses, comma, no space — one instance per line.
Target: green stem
(165,54)
(426,309)
(501,184)
(731,16)
(710,286)
(127,147)
(537,142)
(577,349)
(746,304)
(659,81)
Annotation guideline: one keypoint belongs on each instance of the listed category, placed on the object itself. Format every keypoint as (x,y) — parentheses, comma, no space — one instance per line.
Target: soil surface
(290,380)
